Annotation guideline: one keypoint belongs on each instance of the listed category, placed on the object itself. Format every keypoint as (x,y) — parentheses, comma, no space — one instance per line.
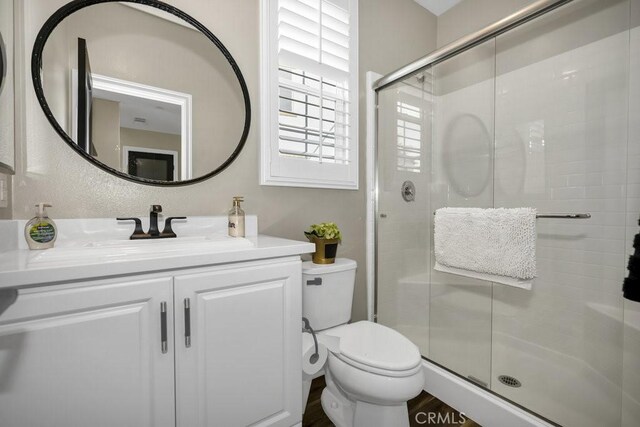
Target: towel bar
(562,216)
(565,216)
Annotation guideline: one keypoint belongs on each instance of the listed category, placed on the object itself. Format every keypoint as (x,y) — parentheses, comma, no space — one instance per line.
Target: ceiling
(437,7)
(145,114)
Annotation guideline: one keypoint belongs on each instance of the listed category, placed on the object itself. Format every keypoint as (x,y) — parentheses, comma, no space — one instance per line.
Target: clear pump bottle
(41,232)
(236,218)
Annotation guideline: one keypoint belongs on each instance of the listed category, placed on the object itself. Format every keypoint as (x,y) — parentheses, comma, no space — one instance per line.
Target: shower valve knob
(408,191)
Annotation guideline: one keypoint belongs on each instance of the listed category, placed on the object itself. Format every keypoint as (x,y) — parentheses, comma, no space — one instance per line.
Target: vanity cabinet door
(88,355)
(242,365)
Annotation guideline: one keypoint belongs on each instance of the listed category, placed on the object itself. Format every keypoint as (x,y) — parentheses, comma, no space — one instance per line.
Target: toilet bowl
(376,369)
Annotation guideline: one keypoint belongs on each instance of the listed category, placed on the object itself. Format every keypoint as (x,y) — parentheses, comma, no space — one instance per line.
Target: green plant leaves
(325,230)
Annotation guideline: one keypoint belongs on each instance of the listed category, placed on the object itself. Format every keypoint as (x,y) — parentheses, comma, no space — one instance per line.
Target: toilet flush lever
(317,281)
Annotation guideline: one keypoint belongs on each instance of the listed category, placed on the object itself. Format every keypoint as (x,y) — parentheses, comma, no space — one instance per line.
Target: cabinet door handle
(187,322)
(163,327)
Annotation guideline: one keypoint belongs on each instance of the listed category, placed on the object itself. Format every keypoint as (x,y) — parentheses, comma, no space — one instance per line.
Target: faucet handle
(155,208)
(138,232)
(168,231)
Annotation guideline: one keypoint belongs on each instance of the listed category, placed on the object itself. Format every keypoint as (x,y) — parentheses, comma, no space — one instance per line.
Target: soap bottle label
(42,232)
(236,226)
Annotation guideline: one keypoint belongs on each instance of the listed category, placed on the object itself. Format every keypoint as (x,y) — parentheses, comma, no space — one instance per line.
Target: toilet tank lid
(341,264)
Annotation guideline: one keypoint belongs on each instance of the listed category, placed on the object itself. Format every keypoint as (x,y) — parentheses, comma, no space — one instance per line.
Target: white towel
(498,245)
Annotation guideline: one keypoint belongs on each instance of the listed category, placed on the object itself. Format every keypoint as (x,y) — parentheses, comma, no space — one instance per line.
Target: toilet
(376,371)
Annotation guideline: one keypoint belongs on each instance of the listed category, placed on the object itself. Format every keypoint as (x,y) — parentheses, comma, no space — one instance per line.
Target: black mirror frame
(3,63)
(36,71)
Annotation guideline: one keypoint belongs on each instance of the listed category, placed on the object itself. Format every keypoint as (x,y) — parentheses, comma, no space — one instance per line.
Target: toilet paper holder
(307,328)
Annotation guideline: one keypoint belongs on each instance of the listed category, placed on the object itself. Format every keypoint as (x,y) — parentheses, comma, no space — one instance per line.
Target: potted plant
(326,237)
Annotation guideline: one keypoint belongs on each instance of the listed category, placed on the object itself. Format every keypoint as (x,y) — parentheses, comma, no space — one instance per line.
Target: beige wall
(6,89)
(5,213)
(392,33)
(472,15)
(6,101)
(56,81)
(105,132)
(148,139)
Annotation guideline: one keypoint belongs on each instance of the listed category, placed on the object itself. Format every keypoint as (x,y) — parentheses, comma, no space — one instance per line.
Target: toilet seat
(375,348)
(375,370)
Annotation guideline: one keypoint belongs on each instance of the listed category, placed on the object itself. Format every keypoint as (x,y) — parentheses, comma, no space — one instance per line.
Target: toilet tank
(327,292)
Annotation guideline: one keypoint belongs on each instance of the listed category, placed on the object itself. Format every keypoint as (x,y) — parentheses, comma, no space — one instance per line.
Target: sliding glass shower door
(462,176)
(546,116)
(403,229)
(561,146)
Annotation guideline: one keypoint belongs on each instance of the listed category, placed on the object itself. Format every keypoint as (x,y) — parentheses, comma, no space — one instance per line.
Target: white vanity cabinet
(241,364)
(91,353)
(88,354)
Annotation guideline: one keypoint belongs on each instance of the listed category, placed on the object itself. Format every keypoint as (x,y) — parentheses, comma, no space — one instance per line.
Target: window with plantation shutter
(309,93)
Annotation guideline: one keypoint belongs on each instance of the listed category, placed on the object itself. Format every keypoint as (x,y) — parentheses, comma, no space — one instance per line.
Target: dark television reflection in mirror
(151,165)
(36,71)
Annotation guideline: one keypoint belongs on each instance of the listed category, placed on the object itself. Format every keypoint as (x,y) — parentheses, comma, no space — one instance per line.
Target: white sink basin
(178,241)
(116,250)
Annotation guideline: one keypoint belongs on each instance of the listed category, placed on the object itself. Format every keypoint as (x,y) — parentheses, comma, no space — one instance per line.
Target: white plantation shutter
(309,89)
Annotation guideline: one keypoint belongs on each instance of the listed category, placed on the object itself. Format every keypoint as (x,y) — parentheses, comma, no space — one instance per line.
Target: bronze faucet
(153,233)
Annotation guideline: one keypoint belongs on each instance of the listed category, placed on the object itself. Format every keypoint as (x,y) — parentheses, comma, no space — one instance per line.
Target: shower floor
(421,406)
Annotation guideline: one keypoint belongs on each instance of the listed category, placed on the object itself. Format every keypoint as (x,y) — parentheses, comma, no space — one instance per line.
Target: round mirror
(142,90)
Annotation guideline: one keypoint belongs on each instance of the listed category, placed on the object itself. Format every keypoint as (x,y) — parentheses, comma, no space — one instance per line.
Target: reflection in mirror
(143,92)
(468,155)
(151,120)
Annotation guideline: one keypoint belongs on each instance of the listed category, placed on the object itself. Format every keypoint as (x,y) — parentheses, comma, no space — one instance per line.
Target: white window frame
(280,170)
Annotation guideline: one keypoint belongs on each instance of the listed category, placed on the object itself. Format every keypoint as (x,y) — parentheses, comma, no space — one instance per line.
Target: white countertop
(84,258)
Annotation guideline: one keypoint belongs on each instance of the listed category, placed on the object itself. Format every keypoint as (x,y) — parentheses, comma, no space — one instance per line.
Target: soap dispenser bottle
(236,218)
(41,232)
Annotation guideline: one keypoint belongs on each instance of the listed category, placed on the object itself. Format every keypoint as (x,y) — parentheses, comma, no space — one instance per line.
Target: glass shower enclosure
(545,115)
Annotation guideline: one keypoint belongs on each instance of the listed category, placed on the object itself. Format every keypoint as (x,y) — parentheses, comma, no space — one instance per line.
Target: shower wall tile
(561,146)
(631,353)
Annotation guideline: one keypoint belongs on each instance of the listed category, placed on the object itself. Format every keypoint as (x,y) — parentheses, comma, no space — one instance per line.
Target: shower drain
(509,381)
